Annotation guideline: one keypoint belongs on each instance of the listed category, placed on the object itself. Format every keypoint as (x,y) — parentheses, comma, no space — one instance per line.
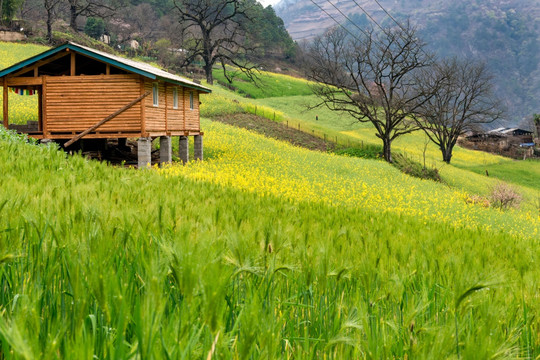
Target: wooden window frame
(191,101)
(155,94)
(175,98)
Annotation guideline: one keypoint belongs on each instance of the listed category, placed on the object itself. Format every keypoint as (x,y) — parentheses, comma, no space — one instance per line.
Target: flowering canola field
(22,108)
(244,160)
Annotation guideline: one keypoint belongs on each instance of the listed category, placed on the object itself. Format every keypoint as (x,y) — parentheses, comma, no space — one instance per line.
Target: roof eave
(110,61)
(200,88)
(33,59)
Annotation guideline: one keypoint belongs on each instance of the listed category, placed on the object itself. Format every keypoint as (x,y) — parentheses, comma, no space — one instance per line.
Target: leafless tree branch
(371,78)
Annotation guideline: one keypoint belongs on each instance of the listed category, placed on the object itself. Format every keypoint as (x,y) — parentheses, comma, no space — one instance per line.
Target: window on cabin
(175,98)
(191,100)
(155,94)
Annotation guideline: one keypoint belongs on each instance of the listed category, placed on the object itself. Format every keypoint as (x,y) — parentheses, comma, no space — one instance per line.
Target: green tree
(8,8)
(95,27)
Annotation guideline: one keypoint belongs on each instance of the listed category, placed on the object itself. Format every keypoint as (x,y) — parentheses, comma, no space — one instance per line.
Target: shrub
(413,168)
(504,196)
(365,152)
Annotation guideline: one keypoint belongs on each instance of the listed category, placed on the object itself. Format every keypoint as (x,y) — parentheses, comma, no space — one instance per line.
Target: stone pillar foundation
(165,150)
(183,147)
(144,153)
(198,147)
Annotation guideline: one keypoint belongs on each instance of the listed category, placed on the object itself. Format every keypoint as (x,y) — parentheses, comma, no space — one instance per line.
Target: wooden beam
(36,71)
(110,117)
(44,106)
(23,81)
(5,108)
(72,65)
(40,63)
(184,107)
(143,111)
(40,110)
(166,110)
(113,135)
(107,69)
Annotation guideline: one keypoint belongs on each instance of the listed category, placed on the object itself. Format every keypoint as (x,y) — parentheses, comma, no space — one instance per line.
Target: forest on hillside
(504,34)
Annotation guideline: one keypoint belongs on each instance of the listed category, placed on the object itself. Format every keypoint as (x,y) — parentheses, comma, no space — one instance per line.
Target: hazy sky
(268,2)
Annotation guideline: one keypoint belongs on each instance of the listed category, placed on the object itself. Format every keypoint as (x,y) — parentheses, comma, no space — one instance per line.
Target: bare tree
(143,23)
(214,31)
(50,8)
(95,8)
(31,11)
(460,99)
(370,77)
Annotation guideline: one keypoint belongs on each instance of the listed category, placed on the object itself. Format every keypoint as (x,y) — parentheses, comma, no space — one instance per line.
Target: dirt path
(277,131)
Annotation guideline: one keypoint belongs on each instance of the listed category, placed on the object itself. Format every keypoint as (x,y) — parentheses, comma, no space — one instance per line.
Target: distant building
(511,132)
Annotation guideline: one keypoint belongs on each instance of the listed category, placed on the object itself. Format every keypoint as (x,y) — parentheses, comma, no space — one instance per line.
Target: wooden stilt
(5,107)
(72,65)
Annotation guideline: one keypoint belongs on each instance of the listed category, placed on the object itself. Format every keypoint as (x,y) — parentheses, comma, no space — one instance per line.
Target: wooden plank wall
(74,103)
(175,117)
(155,116)
(192,115)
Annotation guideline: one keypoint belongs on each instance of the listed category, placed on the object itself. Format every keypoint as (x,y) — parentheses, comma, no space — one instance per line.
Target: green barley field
(264,251)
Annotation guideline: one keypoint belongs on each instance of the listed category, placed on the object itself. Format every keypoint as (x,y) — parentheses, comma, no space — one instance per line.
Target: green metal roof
(129,65)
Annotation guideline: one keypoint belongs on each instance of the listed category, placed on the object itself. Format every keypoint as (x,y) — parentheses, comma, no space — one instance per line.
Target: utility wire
(346,17)
(389,15)
(352,22)
(398,24)
(369,16)
(333,18)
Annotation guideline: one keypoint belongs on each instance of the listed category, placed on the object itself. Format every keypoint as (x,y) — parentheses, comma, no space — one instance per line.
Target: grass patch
(268,85)
(521,172)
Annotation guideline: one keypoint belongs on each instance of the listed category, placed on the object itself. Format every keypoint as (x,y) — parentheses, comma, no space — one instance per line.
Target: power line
(346,17)
(369,16)
(398,24)
(333,18)
(390,16)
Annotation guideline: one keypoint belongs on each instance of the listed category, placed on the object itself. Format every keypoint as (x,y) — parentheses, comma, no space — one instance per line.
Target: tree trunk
(387,149)
(49,27)
(447,154)
(208,57)
(209,75)
(1,11)
(73,17)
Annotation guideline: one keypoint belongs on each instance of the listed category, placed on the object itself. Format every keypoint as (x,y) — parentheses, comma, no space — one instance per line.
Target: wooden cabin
(83,91)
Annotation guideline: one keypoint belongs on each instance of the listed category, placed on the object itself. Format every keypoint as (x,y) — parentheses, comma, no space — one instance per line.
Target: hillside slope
(505,34)
(263,250)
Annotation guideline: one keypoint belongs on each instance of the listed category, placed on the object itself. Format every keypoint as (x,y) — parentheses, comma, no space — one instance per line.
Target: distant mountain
(504,33)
